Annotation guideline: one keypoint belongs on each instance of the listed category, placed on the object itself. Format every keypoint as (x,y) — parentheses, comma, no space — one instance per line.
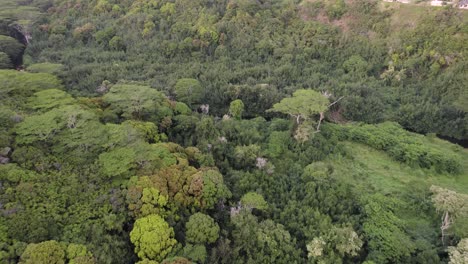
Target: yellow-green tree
(236,108)
(47,252)
(303,105)
(152,237)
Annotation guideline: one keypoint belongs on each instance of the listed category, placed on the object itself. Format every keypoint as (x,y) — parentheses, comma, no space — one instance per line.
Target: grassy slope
(371,171)
(409,15)
(374,169)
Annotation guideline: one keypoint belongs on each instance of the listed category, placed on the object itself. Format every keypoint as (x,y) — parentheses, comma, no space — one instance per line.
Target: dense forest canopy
(232,131)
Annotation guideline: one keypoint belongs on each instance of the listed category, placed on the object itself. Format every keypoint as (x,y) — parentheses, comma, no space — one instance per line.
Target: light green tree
(133,101)
(152,237)
(454,209)
(189,91)
(49,99)
(332,246)
(236,108)
(246,155)
(117,162)
(384,231)
(79,254)
(17,86)
(459,254)
(40,127)
(303,105)
(254,200)
(47,252)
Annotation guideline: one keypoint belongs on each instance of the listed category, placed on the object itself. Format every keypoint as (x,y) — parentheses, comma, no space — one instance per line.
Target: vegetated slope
(375,170)
(116,191)
(387,69)
(112,148)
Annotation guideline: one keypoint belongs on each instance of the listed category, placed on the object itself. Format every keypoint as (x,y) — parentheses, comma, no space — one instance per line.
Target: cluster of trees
(201,132)
(132,175)
(260,52)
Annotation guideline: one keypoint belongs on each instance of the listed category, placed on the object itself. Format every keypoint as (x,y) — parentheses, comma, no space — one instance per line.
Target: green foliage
(336,9)
(51,68)
(44,252)
(246,155)
(133,101)
(117,162)
(334,245)
(254,200)
(403,147)
(81,168)
(195,253)
(70,127)
(11,47)
(182,109)
(356,64)
(201,229)
(236,108)
(265,242)
(214,189)
(176,260)
(143,200)
(78,254)
(385,231)
(152,237)
(16,86)
(84,32)
(43,126)
(459,254)
(303,105)
(452,205)
(5,61)
(48,99)
(277,143)
(116,43)
(105,35)
(189,91)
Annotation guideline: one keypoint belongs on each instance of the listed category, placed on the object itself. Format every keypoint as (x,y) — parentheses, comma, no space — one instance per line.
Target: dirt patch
(315,10)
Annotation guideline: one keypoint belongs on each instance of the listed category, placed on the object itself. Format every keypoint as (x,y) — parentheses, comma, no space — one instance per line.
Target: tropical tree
(252,200)
(201,229)
(459,254)
(236,108)
(454,209)
(303,105)
(43,253)
(189,91)
(264,242)
(133,101)
(152,237)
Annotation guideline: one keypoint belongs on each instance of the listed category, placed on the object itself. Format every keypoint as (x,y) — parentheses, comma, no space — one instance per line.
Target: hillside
(199,131)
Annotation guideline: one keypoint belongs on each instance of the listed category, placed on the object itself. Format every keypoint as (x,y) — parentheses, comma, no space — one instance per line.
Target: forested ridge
(232,131)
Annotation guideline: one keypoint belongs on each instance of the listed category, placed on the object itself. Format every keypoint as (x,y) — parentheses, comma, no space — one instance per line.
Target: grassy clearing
(373,170)
(405,15)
